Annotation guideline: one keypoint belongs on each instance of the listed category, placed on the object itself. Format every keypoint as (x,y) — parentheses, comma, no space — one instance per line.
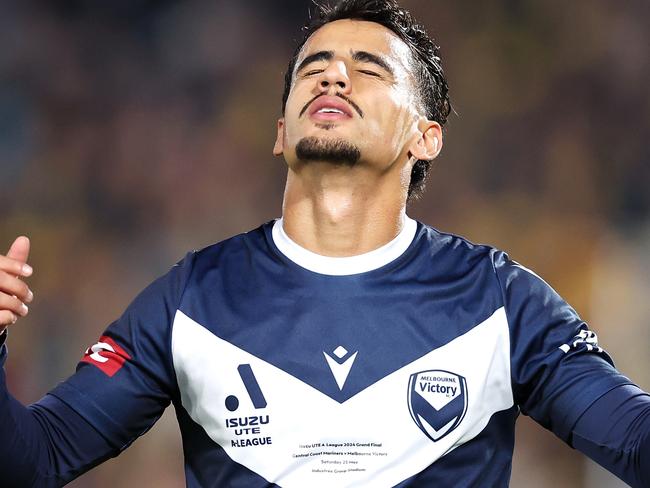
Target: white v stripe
(298,415)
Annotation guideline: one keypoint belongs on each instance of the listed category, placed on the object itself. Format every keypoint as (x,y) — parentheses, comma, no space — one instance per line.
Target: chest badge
(437,401)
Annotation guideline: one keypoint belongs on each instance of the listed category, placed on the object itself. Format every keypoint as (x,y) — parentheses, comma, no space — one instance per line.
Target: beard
(336,151)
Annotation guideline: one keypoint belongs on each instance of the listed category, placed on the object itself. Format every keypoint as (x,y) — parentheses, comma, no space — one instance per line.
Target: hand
(14,293)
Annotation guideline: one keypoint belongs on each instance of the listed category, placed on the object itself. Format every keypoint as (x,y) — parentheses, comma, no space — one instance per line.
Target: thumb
(19,250)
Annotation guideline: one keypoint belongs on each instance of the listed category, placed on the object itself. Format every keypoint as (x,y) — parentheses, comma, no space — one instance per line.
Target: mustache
(340,95)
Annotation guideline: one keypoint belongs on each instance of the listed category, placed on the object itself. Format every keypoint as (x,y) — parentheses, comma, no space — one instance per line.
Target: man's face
(352,94)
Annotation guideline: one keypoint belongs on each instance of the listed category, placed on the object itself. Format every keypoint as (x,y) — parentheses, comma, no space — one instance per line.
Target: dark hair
(430,78)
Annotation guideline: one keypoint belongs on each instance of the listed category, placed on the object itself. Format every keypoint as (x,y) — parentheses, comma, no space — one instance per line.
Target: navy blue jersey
(406,366)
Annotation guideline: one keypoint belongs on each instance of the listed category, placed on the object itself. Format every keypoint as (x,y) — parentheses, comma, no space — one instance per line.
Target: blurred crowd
(132,131)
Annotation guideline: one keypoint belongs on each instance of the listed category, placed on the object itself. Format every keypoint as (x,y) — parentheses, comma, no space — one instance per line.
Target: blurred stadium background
(134,130)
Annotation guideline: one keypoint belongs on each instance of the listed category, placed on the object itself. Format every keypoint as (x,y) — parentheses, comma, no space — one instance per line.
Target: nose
(334,76)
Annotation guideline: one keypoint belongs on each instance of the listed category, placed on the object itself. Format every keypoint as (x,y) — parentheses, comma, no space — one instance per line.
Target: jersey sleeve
(564,380)
(120,388)
(615,432)
(126,379)
(558,370)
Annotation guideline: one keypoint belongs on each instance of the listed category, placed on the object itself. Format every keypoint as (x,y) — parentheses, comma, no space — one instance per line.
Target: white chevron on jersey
(305,438)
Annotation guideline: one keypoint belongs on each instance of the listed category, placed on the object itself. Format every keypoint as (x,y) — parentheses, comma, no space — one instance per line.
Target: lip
(326,101)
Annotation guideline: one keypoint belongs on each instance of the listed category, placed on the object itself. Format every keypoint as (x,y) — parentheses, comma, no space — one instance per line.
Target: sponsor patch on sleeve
(586,339)
(107,355)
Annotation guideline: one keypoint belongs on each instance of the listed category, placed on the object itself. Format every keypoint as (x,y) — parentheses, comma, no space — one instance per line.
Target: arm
(564,380)
(46,444)
(615,432)
(120,388)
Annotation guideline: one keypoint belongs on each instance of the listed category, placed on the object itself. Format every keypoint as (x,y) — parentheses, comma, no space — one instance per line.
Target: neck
(342,211)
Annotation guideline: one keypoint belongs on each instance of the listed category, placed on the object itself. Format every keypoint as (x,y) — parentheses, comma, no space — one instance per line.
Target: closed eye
(369,73)
(313,72)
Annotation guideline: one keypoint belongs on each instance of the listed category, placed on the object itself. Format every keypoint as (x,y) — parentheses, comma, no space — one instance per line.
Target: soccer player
(344,344)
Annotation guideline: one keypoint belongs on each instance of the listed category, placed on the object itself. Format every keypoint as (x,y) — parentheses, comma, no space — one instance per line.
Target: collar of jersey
(347,265)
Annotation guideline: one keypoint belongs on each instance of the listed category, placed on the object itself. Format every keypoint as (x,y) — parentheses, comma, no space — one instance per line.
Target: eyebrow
(366,57)
(312,58)
(360,56)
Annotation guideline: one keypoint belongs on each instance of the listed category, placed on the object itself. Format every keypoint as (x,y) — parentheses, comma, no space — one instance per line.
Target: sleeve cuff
(3,347)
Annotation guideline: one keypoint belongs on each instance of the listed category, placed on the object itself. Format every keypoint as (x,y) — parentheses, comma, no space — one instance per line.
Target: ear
(278,147)
(428,144)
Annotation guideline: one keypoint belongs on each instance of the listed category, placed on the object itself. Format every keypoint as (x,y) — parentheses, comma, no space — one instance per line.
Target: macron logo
(340,366)
(107,355)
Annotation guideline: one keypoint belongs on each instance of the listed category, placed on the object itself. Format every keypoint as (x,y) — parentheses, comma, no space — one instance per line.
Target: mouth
(327,108)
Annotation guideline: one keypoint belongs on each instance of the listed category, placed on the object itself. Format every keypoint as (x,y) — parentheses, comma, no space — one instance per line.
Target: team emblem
(437,401)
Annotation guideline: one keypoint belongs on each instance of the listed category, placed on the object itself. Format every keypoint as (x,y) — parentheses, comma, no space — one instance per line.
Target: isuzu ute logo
(437,401)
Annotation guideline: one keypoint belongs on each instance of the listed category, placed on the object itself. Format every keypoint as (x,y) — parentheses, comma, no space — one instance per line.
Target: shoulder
(462,252)
(235,250)
(227,264)
(166,291)
(455,251)
(484,270)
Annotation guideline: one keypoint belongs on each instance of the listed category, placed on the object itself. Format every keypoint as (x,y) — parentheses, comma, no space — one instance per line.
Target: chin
(336,150)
